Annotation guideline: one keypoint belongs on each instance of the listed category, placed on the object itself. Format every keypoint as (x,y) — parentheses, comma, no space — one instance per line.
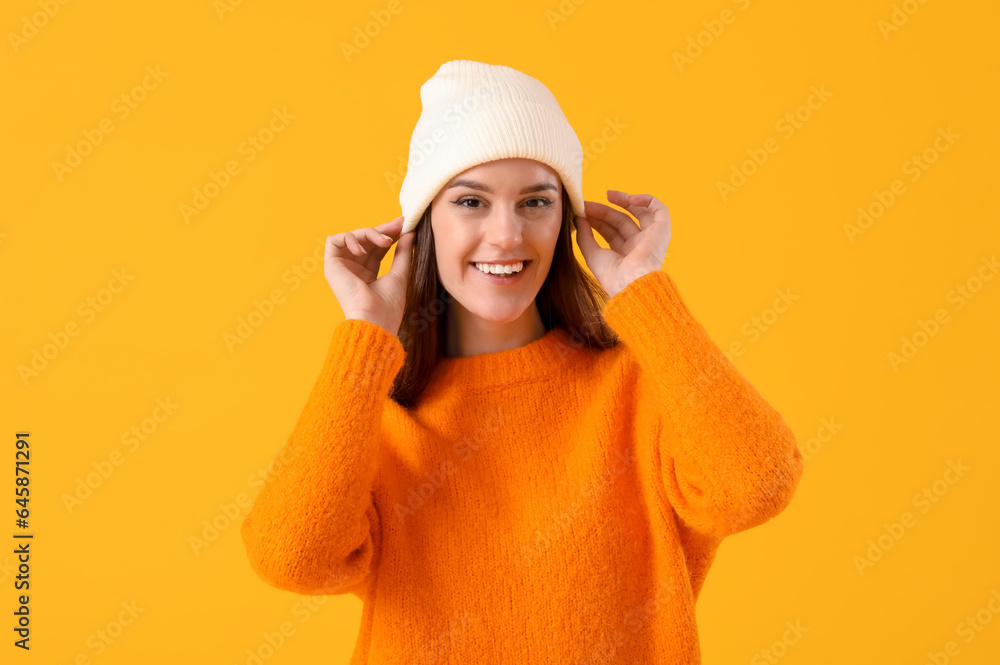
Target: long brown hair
(569,298)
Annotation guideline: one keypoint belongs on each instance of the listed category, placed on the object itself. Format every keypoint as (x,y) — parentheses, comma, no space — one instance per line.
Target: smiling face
(505,211)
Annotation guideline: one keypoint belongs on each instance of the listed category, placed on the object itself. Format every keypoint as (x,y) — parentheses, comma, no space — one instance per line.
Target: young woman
(507,460)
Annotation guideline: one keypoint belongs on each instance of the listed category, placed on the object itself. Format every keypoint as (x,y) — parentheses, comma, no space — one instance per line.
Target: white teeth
(495,269)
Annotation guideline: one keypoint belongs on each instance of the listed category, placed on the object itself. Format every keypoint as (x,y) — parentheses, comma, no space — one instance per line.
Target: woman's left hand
(633,251)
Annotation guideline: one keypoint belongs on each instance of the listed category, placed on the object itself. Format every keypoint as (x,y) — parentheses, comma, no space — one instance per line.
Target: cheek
(546,239)
(446,242)
(452,253)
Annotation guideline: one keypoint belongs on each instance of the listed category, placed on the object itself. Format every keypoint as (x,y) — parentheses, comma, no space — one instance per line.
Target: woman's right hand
(351,265)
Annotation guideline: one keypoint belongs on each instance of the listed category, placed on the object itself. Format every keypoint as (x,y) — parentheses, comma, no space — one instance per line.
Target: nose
(503,228)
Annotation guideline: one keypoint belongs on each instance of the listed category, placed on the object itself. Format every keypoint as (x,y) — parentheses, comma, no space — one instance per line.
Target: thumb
(402,256)
(585,237)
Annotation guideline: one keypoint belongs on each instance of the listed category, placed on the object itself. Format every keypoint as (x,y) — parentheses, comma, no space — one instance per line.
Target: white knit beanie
(475,113)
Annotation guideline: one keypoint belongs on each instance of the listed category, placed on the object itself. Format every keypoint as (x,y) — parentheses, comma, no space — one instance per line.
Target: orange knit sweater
(544,504)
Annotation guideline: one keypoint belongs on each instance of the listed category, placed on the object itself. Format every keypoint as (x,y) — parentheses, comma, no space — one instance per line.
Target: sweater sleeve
(726,458)
(313,527)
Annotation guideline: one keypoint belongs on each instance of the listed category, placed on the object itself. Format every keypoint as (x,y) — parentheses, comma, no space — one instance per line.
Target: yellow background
(682,129)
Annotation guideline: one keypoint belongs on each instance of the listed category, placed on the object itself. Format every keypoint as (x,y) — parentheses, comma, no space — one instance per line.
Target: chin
(494,310)
(498,315)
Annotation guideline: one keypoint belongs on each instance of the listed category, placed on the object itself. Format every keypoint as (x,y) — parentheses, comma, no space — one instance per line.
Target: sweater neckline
(542,357)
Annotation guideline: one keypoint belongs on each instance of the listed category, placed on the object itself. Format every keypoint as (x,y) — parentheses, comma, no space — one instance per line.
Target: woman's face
(503,211)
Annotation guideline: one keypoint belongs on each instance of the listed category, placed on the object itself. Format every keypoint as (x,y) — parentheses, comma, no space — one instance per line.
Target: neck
(469,335)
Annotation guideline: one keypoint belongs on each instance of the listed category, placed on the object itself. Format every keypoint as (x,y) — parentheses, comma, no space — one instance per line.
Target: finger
(379,239)
(653,215)
(377,244)
(391,228)
(354,245)
(646,208)
(614,235)
(401,258)
(614,225)
(585,239)
(335,246)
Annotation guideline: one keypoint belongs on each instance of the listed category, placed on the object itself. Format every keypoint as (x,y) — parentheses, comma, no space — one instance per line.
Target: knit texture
(474,112)
(549,503)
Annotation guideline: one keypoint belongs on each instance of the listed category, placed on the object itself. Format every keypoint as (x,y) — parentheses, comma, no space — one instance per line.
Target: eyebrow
(472,184)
